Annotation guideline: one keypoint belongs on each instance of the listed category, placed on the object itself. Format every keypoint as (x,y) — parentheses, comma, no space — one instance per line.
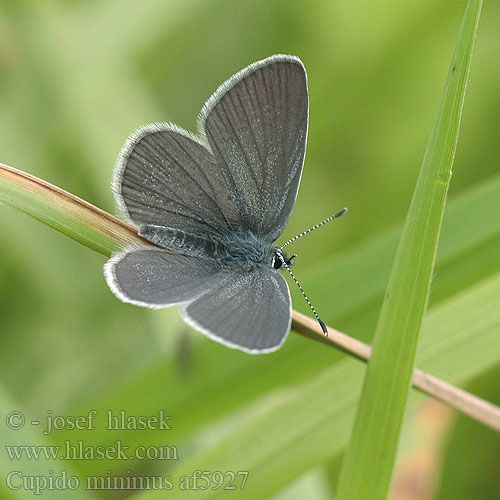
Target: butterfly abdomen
(179,241)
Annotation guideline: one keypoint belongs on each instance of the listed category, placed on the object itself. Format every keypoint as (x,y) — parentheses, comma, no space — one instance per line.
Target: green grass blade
(483,449)
(65,212)
(370,458)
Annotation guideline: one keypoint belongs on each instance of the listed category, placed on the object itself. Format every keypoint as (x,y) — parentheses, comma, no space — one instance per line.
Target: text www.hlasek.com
(81,451)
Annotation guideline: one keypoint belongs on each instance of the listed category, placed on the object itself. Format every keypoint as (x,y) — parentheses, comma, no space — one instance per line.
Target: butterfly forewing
(165,176)
(256,126)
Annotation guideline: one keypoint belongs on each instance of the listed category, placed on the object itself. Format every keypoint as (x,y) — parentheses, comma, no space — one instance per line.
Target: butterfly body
(242,250)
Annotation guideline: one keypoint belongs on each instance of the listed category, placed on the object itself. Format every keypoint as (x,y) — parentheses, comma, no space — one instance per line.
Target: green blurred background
(77,77)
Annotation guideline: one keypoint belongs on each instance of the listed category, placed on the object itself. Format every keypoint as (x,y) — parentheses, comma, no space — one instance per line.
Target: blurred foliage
(76,77)
(472,471)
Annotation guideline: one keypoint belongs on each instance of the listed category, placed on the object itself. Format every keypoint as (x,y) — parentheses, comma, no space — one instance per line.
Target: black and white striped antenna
(303,233)
(286,263)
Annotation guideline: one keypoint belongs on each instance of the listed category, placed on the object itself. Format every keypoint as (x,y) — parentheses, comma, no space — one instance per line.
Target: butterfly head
(281,257)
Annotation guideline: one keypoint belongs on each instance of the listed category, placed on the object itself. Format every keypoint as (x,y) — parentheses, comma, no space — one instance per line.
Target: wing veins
(210,197)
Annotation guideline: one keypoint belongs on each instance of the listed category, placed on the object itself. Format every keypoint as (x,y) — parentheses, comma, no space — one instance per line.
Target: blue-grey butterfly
(214,203)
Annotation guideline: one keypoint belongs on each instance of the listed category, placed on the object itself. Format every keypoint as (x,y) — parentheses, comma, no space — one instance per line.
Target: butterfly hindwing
(250,311)
(159,278)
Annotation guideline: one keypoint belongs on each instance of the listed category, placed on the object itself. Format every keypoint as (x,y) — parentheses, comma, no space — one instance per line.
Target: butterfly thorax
(234,249)
(244,249)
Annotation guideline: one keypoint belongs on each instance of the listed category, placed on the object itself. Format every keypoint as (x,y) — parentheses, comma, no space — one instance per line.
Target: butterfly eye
(276,262)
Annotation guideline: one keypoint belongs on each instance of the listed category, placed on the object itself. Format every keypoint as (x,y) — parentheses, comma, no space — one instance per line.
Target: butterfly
(213,204)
